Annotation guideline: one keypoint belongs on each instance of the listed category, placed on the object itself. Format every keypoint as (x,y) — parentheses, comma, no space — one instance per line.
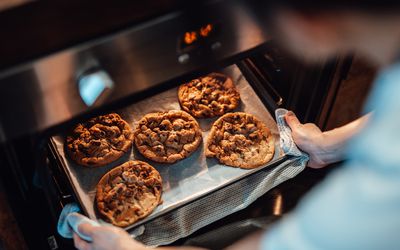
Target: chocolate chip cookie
(167,137)
(128,193)
(240,140)
(99,141)
(209,96)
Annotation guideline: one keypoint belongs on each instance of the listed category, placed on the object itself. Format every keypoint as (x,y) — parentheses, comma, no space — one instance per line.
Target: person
(357,206)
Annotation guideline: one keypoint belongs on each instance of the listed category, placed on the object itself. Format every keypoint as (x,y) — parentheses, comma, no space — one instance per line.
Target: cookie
(99,141)
(128,193)
(240,140)
(167,137)
(209,96)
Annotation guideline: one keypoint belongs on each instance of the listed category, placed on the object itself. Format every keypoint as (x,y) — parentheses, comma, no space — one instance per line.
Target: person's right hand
(310,139)
(326,147)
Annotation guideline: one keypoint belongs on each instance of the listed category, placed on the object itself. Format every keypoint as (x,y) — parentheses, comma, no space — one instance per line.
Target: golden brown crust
(128,193)
(209,96)
(99,141)
(167,137)
(240,140)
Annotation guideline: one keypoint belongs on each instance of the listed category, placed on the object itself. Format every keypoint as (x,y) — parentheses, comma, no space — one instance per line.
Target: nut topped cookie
(128,193)
(167,137)
(240,140)
(209,96)
(99,141)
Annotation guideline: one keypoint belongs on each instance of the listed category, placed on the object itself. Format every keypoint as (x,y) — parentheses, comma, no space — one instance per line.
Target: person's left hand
(105,238)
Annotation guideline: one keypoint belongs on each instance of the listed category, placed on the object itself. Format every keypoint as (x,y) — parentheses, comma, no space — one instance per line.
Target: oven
(56,85)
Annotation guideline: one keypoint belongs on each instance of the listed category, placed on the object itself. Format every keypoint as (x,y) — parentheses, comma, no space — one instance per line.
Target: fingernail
(290,113)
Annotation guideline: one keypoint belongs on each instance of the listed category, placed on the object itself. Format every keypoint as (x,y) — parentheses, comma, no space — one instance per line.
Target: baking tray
(184,181)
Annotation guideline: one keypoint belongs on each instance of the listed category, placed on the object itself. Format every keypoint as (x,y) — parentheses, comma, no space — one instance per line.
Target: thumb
(292,120)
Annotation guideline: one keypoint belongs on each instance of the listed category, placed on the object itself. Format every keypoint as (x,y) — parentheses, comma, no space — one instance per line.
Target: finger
(81,244)
(86,229)
(292,120)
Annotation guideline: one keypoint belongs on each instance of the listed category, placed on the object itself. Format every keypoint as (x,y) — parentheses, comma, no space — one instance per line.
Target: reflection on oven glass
(205,30)
(198,35)
(190,37)
(94,85)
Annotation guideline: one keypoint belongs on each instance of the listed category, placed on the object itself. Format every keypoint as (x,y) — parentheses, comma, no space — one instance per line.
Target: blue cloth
(70,220)
(358,206)
(285,135)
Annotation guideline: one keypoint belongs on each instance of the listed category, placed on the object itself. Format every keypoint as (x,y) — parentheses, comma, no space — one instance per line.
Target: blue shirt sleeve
(358,206)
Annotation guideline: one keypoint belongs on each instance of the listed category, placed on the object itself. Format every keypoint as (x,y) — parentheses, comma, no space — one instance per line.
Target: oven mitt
(70,220)
(287,144)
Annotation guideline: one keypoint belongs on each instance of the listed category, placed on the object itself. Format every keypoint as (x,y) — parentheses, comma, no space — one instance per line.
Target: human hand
(310,139)
(105,238)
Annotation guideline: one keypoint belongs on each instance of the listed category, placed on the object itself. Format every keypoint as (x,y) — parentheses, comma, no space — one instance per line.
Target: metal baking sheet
(185,180)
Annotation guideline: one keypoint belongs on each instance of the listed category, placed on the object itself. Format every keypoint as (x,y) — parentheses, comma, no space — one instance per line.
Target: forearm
(334,141)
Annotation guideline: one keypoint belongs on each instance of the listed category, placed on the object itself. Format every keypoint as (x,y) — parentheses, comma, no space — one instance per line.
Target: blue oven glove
(70,220)
(288,145)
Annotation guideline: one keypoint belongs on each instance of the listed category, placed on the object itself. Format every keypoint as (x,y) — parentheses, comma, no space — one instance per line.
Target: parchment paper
(185,180)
